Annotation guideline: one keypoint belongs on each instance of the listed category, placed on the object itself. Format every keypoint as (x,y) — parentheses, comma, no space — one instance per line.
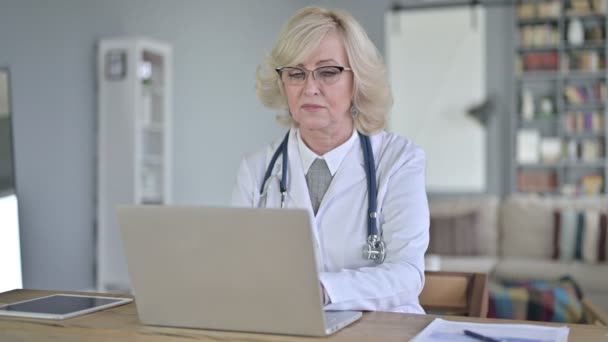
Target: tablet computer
(60,306)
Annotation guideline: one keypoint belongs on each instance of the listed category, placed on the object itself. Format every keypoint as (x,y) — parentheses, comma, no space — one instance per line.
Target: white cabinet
(134,142)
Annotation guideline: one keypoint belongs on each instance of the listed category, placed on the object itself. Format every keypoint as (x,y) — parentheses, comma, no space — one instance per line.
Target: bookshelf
(134,143)
(560,130)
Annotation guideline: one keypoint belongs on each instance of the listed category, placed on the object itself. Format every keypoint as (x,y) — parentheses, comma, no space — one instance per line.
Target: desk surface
(121,324)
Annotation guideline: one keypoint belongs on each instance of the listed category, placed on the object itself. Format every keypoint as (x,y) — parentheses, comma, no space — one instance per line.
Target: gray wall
(50,49)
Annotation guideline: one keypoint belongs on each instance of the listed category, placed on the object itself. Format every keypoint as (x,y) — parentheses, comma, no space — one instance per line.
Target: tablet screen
(59,304)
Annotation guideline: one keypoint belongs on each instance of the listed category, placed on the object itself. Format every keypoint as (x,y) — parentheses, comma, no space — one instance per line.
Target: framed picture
(116,65)
(7,172)
(4,93)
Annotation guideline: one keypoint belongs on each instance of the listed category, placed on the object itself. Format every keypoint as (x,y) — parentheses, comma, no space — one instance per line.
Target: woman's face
(322,103)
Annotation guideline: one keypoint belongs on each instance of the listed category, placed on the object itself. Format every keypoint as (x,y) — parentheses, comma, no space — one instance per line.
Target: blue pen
(480,337)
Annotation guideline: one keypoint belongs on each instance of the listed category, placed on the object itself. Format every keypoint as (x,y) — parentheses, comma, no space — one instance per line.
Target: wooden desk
(121,324)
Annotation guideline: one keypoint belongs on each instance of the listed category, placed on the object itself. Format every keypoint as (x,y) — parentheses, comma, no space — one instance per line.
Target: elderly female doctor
(330,79)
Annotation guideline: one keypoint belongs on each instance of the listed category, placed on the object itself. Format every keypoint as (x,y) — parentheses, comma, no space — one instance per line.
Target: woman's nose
(311,85)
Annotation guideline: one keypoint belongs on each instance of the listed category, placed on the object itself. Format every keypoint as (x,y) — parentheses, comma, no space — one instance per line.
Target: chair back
(455,293)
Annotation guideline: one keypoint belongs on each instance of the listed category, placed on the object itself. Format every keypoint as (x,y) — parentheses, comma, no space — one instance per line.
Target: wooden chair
(455,293)
(595,313)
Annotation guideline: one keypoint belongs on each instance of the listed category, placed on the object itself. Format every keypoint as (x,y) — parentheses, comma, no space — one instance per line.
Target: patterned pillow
(455,235)
(580,235)
(537,300)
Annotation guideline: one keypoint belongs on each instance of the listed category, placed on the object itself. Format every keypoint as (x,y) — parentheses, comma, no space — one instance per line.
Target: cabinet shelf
(540,120)
(587,46)
(585,75)
(563,164)
(537,21)
(585,106)
(538,76)
(585,15)
(544,76)
(538,166)
(582,136)
(540,48)
(584,164)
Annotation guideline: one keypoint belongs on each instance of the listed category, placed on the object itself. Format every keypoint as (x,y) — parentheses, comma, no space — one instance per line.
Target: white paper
(442,330)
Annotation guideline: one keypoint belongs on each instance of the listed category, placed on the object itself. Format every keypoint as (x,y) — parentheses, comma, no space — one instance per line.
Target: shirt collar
(333,158)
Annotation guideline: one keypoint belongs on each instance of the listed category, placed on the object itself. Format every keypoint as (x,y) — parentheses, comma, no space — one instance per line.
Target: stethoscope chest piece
(374,249)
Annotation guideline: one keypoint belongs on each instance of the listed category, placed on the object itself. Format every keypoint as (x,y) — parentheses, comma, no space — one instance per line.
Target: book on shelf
(580,6)
(539,35)
(536,180)
(551,150)
(528,144)
(539,10)
(590,150)
(592,184)
(579,122)
(586,7)
(580,94)
(548,9)
(586,61)
(540,61)
(526,11)
(572,150)
(587,150)
(594,32)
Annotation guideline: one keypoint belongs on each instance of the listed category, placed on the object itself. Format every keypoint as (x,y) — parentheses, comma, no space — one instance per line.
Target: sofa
(512,239)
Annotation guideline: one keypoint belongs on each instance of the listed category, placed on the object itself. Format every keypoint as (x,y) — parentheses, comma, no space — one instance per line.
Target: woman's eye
(328,73)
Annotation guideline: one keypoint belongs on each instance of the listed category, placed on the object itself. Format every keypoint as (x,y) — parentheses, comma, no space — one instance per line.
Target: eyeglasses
(328,75)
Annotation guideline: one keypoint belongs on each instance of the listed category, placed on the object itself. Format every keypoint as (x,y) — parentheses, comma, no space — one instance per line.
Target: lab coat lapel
(298,190)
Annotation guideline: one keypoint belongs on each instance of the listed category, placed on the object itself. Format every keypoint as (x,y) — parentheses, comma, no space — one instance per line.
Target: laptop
(235,269)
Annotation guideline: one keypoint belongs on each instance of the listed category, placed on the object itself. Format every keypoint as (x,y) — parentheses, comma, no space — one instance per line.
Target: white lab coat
(340,226)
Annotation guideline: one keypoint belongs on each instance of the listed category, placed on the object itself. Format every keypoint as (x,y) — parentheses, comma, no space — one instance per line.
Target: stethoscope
(374,249)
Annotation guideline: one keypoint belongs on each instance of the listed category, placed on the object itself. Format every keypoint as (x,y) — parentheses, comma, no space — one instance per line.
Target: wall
(50,49)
